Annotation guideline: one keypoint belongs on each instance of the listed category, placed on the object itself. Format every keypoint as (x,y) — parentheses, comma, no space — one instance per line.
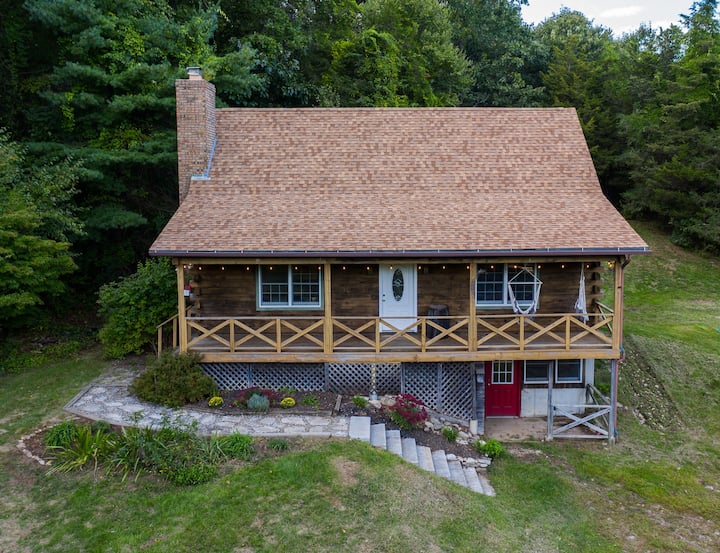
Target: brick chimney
(195,101)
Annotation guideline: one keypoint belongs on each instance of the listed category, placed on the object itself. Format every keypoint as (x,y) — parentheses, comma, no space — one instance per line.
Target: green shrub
(180,455)
(133,451)
(173,380)
(258,403)
(237,446)
(100,426)
(133,307)
(450,433)
(311,401)
(278,444)
(62,435)
(360,401)
(491,448)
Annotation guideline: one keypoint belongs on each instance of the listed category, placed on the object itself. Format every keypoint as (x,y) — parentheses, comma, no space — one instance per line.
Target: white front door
(398,296)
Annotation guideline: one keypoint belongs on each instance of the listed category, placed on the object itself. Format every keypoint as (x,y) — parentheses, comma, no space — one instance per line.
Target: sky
(619,15)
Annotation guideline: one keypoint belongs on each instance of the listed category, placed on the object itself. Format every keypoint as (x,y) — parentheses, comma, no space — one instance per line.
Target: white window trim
(568,381)
(536,380)
(289,305)
(556,378)
(505,303)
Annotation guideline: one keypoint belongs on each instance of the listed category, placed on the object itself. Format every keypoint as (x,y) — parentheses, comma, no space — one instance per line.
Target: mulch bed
(333,404)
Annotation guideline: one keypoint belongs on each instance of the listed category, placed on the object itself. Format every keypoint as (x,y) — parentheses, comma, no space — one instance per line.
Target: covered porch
(228,311)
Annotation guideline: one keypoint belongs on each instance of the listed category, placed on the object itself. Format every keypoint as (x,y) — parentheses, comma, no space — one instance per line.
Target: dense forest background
(88,170)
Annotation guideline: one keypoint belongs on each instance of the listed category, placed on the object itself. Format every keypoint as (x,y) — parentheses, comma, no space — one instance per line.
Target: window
(295,286)
(536,372)
(492,285)
(568,370)
(502,372)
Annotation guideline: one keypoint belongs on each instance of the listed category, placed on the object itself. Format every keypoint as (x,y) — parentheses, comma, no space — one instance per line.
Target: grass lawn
(658,489)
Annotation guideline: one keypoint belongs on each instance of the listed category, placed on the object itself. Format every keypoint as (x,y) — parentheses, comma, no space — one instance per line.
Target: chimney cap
(194,72)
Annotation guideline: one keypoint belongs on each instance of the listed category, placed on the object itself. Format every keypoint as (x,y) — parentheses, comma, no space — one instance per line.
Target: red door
(502,388)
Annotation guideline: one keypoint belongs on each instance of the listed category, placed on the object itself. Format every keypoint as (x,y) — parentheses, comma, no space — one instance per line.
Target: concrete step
(487,487)
(409,450)
(473,482)
(377,436)
(359,428)
(394,442)
(425,460)
(457,474)
(441,465)
(422,456)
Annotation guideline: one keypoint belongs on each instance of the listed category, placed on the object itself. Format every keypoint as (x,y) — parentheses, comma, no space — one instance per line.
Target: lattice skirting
(332,377)
(229,376)
(357,378)
(447,388)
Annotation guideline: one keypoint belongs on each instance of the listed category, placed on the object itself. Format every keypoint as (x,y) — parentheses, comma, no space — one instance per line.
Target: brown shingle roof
(397,180)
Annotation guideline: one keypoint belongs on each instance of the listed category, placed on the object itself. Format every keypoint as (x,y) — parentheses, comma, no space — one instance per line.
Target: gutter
(395,254)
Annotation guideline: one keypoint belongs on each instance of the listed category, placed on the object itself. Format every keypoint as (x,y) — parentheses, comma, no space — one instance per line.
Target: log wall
(231,290)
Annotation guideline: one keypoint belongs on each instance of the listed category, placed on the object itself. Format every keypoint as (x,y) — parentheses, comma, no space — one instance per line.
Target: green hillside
(657,489)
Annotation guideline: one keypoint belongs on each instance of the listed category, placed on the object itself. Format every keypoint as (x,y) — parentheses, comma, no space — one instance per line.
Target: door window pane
(502,372)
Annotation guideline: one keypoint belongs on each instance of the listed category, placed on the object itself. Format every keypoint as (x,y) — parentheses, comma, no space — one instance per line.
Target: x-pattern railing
(377,334)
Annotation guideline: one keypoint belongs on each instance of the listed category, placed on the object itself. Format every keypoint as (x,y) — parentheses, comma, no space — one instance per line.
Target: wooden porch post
(618,303)
(472,322)
(182,324)
(327,295)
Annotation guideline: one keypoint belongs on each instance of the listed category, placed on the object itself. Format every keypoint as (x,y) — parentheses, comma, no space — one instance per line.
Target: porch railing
(516,333)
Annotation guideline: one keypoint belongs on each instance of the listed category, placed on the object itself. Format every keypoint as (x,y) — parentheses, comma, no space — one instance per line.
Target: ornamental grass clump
(408,412)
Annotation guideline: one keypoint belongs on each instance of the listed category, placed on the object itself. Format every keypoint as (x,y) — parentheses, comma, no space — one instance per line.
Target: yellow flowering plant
(215,401)
(287,403)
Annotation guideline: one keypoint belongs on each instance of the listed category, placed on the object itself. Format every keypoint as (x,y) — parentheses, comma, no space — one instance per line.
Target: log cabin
(467,256)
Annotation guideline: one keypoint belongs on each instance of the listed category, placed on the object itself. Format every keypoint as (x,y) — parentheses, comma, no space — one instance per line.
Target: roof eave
(394,254)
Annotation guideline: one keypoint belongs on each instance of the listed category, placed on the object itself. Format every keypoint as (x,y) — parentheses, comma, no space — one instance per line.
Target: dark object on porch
(437,310)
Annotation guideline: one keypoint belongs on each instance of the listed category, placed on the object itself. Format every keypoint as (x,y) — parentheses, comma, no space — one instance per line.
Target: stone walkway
(107,398)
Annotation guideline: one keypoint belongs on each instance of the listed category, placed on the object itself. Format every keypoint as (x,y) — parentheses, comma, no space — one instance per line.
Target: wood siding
(230,290)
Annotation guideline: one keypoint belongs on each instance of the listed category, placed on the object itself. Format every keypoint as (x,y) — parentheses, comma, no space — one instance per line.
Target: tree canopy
(93,81)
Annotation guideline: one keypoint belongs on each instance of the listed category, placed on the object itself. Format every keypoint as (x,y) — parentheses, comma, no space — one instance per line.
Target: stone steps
(442,464)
